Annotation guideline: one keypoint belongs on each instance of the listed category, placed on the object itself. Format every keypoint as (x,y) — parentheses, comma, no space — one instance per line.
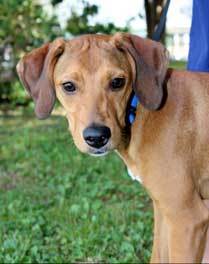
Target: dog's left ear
(36,70)
(149,67)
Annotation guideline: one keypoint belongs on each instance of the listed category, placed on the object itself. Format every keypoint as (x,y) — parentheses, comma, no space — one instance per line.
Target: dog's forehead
(90,53)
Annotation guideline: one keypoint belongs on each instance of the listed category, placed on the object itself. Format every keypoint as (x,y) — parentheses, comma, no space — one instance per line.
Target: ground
(58,205)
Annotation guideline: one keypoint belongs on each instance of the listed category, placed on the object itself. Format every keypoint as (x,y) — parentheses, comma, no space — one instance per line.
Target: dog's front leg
(160,240)
(187,228)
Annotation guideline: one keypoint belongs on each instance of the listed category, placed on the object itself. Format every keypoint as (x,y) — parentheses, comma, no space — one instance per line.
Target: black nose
(96,136)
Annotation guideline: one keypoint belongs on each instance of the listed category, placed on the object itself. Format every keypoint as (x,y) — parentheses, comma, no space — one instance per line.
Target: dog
(167,145)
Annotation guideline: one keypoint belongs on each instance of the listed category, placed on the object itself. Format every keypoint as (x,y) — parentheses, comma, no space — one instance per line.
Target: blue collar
(131,108)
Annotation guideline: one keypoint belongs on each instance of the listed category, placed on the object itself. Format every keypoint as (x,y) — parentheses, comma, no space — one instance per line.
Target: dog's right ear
(35,71)
(149,72)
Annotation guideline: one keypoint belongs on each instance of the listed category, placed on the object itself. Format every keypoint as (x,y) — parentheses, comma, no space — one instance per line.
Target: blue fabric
(198,59)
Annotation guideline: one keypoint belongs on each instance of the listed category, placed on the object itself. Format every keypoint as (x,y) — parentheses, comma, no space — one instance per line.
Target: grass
(58,205)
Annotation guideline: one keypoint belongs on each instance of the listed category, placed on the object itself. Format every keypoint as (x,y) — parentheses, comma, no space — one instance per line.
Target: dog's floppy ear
(35,71)
(151,62)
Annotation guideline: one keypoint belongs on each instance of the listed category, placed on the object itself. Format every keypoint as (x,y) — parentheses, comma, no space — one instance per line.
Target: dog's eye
(117,83)
(69,87)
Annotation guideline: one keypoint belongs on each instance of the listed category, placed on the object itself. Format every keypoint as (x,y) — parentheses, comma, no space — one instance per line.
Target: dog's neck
(138,142)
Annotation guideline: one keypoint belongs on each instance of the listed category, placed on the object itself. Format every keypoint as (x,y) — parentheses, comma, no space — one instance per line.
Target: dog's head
(93,76)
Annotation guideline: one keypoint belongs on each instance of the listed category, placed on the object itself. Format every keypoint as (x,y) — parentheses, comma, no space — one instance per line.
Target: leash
(133,100)
(157,34)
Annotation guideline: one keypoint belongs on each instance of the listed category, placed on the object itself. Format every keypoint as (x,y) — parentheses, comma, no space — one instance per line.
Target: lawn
(58,205)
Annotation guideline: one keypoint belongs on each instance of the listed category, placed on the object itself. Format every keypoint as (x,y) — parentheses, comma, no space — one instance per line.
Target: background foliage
(24,25)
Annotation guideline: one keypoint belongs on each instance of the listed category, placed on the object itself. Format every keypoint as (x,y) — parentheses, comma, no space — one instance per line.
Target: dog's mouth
(98,152)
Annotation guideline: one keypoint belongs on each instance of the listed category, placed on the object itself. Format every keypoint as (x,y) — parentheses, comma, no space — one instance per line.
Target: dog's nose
(96,136)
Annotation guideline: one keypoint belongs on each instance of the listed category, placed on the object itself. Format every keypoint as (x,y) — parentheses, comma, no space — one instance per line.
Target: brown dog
(168,149)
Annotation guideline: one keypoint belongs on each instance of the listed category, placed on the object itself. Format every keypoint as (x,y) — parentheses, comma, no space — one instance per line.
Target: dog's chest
(131,169)
(134,177)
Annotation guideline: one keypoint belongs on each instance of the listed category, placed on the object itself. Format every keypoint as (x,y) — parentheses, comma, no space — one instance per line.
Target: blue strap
(157,34)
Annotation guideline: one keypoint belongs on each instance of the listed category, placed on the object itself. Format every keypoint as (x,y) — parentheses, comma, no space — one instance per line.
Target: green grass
(58,205)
